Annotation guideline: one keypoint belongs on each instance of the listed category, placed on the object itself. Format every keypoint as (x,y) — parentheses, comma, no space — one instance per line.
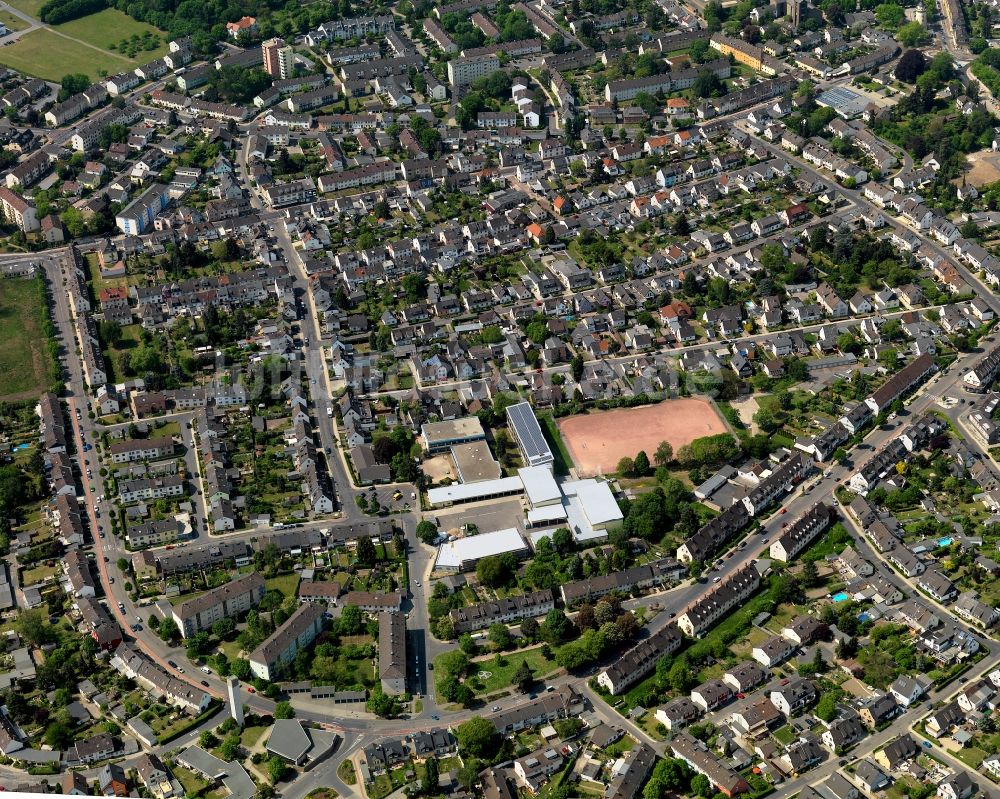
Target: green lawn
(109,27)
(29,7)
(12,21)
(501,677)
(784,735)
(45,54)
(190,782)
(563,462)
(25,365)
(287,584)
(39,573)
(251,735)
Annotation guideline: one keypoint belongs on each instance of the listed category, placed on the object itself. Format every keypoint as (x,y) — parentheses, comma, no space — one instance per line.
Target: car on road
(842,762)
(107,559)
(171,664)
(251,689)
(417,583)
(111,579)
(784,510)
(672,614)
(496,708)
(205,683)
(764,541)
(717,579)
(121,606)
(206,669)
(435,716)
(926,744)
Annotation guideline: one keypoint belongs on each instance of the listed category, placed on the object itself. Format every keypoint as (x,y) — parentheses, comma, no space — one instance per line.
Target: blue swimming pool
(841,597)
(944,542)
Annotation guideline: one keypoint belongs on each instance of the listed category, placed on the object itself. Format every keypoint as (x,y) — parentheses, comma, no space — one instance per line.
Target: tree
(827,707)
(366,551)
(664,454)
(626,467)
(427,531)
(33,626)
(207,740)
(810,575)
(58,734)
(468,644)
(276,769)
(351,620)
(557,627)
(641,464)
(523,677)
(429,784)
(477,737)
(890,15)
(454,662)
(495,570)
(576,367)
(529,629)
(701,786)
(284,710)
(500,636)
(912,64)
(911,34)
(680,678)
(382,704)
(708,84)
(223,628)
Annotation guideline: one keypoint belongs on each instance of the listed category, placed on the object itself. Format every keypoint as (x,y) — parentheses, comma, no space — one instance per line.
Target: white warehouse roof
(470,492)
(539,485)
(455,554)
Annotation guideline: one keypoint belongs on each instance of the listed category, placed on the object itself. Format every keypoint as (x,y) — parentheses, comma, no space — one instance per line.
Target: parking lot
(488,516)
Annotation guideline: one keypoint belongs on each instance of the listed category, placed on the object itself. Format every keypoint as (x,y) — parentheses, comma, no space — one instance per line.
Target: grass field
(48,55)
(12,21)
(25,366)
(29,7)
(502,677)
(109,27)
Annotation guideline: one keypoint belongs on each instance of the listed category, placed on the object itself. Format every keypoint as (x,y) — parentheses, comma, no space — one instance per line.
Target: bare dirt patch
(439,468)
(745,408)
(597,441)
(984,168)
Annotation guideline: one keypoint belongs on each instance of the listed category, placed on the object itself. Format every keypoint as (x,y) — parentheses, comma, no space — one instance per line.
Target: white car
(206,669)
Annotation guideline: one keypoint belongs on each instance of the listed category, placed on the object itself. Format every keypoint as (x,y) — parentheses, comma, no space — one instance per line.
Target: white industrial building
(463,554)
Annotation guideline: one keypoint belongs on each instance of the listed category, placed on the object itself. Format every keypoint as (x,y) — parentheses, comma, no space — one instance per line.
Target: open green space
(45,54)
(501,675)
(25,364)
(29,7)
(287,584)
(108,27)
(12,21)
(563,461)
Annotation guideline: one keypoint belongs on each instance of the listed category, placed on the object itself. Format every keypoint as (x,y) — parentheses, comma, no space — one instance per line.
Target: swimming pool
(841,597)
(944,542)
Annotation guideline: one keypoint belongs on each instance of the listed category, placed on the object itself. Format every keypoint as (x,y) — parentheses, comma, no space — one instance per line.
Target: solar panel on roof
(528,432)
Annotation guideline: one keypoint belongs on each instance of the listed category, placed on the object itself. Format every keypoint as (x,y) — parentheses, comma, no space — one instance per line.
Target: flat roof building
(440,436)
(528,434)
(540,486)
(474,462)
(464,553)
